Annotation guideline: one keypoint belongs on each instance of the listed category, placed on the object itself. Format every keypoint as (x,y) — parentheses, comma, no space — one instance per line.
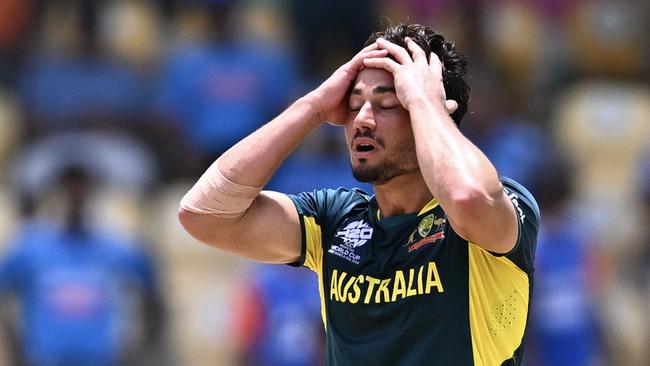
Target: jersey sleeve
(528,216)
(319,211)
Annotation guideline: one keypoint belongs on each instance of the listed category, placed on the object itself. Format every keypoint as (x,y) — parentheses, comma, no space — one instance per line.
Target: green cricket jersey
(408,290)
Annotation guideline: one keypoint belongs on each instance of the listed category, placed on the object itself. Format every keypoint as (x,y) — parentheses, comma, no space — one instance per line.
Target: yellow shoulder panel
(314,256)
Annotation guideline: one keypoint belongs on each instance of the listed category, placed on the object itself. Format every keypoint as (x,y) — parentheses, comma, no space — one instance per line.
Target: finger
(451,106)
(357,60)
(416,51)
(359,55)
(381,63)
(399,52)
(374,53)
(369,47)
(435,63)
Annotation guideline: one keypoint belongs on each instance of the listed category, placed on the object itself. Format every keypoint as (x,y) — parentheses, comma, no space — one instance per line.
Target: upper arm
(269,231)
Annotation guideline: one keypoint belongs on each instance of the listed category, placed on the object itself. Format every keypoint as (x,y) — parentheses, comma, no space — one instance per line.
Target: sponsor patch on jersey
(354,235)
(430,230)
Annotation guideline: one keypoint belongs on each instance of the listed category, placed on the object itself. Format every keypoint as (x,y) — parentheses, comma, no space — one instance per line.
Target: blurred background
(110,109)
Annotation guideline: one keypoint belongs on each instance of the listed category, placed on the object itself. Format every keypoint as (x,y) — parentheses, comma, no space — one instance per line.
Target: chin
(367,174)
(378,174)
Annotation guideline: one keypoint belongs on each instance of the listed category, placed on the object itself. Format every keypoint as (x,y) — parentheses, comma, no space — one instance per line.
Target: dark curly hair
(455,64)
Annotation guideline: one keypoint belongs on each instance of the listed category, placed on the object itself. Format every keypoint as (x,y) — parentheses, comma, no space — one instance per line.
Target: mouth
(363,146)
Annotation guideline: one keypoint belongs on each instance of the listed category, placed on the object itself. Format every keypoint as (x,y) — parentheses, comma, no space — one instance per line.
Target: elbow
(470,203)
(185,218)
(472,198)
(484,218)
(189,222)
(201,227)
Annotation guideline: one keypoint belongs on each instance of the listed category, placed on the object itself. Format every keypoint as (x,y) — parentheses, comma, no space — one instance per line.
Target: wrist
(423,105)
(310,108)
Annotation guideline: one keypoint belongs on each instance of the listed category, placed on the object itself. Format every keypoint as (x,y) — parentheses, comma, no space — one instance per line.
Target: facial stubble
(402,161)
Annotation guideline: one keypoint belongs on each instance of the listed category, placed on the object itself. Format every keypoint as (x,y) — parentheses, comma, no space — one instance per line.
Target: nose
(365,119)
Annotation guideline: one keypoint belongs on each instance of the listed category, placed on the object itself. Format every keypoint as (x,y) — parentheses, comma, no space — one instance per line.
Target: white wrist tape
(214,194)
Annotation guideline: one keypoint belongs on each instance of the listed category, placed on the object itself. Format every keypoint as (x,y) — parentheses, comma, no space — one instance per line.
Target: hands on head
(417,80)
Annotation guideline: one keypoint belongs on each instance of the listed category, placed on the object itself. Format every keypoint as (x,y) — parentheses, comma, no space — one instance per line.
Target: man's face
(378,130)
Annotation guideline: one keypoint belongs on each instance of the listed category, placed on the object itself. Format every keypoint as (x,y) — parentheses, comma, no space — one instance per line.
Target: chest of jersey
(408,290)
(397,280)
(372,261)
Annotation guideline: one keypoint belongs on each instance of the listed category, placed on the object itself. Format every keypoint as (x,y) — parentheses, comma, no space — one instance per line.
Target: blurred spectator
(73,82)
(564,330)
(280,325)
(218,89)
(121,161)
(76,287)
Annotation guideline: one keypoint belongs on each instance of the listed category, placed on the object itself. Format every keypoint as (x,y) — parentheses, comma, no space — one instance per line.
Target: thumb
(451,106)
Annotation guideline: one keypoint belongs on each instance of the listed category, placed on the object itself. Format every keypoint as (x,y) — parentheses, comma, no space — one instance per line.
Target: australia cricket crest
(430,230)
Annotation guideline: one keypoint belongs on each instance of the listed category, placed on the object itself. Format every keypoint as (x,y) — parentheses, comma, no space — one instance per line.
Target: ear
(451,106)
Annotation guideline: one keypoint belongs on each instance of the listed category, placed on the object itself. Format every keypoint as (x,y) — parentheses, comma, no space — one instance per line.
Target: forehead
(371,77)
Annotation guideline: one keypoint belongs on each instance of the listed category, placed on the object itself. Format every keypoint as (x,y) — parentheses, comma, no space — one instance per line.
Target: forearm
(231,184)
(226,205)
(253,160)
(219,209)
(455,170)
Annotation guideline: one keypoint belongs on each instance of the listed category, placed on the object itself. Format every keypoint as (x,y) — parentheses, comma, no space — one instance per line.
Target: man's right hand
(330,97)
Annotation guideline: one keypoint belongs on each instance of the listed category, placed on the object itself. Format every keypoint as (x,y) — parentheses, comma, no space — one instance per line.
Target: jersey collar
(428,207)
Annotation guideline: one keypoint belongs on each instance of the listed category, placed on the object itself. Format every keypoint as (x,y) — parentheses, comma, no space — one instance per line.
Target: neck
(404,194)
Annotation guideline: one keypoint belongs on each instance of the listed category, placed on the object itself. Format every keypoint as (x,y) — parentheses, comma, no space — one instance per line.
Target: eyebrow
(377,90)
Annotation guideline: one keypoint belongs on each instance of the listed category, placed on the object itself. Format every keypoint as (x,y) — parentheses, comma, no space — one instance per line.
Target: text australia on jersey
(368,289)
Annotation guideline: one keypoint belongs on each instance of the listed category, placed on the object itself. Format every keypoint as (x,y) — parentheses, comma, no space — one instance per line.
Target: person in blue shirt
(217,90)
(564,327)
(74,286)
(279,325)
